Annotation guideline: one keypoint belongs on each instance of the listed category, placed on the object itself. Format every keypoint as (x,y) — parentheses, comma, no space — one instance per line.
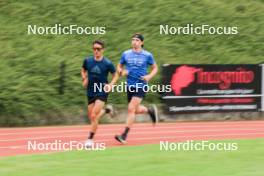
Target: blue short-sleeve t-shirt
(137,65)
(97,74)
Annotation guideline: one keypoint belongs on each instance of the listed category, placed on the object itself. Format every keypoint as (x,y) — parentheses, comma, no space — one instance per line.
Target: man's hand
(119,70)
(124,72)
(84,78)
(85,83)
(146,78)
(153,72)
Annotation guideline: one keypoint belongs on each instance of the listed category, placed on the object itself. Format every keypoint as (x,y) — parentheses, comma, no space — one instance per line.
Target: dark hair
(100,42)
(139,36)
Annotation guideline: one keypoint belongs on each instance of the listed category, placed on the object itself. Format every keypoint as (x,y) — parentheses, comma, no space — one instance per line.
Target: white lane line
(134,128)
(194,136)
(260,122)
(160,138)
(153,131)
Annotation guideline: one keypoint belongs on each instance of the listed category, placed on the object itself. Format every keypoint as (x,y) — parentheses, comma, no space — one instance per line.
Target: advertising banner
(201,88)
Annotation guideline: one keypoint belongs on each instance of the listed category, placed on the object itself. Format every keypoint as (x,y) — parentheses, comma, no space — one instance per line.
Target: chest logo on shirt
(96,69)
(136,61)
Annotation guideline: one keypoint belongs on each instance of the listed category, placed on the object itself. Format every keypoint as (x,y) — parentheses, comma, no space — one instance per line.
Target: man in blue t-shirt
(94,73)
(136,61)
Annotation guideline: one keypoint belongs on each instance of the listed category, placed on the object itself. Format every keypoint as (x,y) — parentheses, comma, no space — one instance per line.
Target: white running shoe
(89,143)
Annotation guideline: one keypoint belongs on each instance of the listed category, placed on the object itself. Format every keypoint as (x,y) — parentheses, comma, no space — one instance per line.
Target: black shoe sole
(122,141)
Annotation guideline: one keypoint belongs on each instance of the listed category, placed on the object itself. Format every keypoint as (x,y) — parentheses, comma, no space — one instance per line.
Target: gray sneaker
(109,109)
(153,113)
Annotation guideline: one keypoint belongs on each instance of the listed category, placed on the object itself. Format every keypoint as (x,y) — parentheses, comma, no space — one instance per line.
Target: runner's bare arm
(84,78)
(153,72)
(115,77)
(121,70)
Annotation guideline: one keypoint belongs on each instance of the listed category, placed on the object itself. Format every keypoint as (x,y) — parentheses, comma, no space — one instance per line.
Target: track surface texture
(14,141)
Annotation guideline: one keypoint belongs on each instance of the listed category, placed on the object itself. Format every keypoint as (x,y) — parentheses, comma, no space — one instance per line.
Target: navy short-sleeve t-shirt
(97,75)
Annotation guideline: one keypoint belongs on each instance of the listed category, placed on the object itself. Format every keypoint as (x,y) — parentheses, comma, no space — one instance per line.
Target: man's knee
(89,110)
(141,109)
(93,115)
(131,108)
(89,113)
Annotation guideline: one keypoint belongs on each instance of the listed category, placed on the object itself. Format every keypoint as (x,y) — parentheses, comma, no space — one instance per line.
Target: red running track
(14,141)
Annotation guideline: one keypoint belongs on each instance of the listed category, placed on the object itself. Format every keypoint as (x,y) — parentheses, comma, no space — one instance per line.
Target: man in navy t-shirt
(94,72)
(136,61)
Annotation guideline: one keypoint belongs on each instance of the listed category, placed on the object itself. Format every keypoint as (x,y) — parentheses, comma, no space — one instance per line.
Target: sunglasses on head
(97,49)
